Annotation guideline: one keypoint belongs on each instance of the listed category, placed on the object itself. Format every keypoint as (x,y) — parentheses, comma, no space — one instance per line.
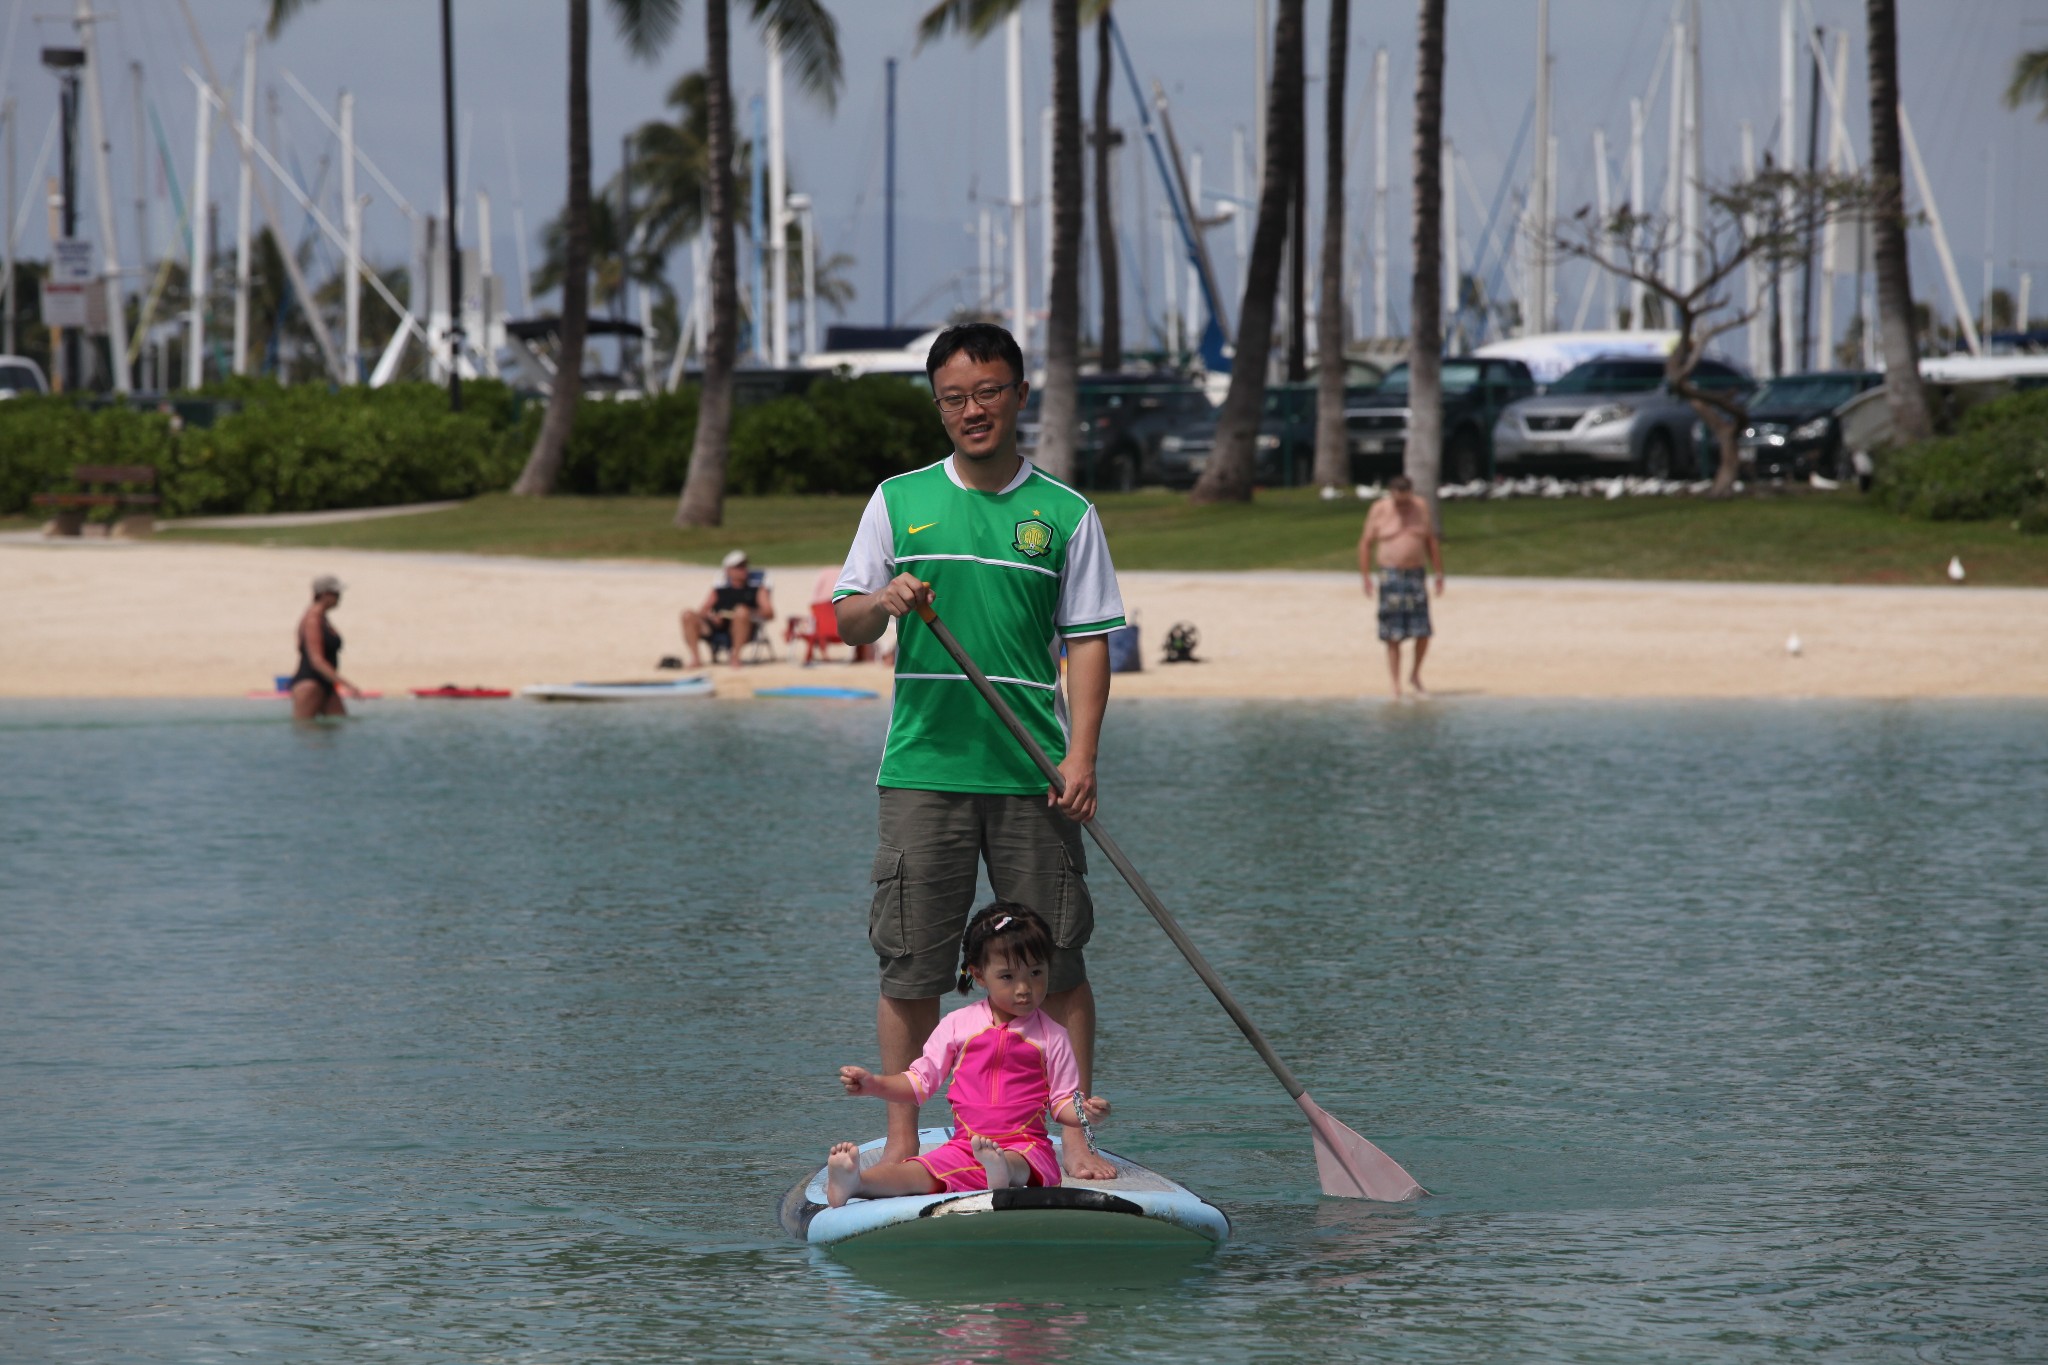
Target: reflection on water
(481,1033)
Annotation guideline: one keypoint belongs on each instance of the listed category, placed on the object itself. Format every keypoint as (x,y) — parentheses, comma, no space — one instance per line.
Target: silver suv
(1615,411)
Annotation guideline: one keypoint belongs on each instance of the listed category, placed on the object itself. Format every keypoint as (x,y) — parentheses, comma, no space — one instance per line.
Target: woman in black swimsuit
(318,687)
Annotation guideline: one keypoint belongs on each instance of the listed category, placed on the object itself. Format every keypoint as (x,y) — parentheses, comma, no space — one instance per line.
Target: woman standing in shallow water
(318,687)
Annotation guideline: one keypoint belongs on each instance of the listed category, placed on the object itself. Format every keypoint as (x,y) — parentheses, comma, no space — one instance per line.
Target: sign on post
(64,292)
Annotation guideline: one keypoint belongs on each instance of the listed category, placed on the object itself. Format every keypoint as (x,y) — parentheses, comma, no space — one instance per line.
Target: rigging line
(362,157)
(7,54)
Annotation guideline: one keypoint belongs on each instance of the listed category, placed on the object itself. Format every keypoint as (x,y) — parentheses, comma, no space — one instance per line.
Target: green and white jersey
(1012,573)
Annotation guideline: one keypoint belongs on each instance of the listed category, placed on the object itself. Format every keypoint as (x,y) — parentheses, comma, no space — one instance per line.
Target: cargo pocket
(1075,923)
(886,930)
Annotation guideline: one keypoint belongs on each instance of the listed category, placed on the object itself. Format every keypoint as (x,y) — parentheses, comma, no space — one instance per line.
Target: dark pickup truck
(1123,419)
(1474,392)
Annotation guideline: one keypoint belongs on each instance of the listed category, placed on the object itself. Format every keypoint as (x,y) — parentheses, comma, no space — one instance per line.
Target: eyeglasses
(986,396)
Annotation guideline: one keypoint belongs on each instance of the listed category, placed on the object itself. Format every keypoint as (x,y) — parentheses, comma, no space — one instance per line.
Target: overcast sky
(1955,59)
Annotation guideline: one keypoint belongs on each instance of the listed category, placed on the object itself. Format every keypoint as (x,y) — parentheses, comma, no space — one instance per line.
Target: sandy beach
(155,619)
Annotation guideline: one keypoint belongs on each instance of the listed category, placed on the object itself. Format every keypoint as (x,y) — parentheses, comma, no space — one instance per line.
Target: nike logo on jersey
(926,527)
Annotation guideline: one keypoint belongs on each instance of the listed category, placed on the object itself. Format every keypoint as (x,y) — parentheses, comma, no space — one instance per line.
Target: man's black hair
(983,341)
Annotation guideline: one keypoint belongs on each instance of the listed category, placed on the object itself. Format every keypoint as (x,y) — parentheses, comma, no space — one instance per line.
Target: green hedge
(306,448)
(844,436)
(1995,465)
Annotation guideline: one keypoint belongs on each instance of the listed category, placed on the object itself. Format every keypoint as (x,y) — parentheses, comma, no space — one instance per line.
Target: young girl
(1008,1062)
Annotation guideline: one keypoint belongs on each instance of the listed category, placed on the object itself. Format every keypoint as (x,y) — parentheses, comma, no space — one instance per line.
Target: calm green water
(494,1032)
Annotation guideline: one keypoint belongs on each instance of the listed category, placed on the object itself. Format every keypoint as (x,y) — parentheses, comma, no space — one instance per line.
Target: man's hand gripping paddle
(1349,1166)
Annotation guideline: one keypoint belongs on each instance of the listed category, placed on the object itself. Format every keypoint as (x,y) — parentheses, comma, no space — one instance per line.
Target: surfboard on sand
(667,689)
(819,693)
(451,692)
(1140,1207)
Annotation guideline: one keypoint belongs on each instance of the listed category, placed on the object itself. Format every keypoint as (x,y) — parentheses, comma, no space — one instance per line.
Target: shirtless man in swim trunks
(1399,526)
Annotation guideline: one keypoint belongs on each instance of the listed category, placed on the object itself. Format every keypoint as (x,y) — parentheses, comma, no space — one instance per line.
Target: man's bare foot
(842,1174)
(994,1162)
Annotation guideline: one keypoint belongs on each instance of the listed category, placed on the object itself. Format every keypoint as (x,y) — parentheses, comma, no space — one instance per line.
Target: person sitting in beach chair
(737,612)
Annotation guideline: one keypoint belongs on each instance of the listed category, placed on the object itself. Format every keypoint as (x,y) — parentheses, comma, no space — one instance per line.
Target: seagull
(1793,644)
(1955,569)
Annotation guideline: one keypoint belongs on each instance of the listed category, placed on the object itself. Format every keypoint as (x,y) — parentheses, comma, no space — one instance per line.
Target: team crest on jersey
(1034,538)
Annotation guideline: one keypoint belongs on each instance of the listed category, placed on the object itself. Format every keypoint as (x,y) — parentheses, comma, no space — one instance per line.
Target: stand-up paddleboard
(1140,1207)
(821,693)
(450,692)
(665,690)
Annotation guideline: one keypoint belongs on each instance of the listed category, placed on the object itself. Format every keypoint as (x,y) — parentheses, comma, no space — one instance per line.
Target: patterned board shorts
(1404,604)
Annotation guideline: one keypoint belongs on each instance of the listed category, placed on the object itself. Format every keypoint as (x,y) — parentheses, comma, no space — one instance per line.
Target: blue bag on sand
(1124,656)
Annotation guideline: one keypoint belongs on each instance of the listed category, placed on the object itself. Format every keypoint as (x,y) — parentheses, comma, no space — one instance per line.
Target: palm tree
(1903,394)
(614,256)
(2029,82)
(672,168)
(806,33)
(1060,415)
(1333,452)
(1425,294)
(1228,477)
(1111,337)
(544,462)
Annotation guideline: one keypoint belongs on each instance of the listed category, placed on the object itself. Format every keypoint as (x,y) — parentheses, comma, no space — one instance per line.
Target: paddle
(1348,1165)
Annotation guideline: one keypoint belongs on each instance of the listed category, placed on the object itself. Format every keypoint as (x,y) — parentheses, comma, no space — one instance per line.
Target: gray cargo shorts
(925,866)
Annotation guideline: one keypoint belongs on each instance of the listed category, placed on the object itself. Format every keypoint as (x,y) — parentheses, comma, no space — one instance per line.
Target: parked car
(1615,411)
(19,375)
(1286,453)
(1475,390)
(1123,419)
(1793,430)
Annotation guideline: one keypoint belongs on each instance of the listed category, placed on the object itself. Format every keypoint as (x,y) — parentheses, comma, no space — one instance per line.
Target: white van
(19,374)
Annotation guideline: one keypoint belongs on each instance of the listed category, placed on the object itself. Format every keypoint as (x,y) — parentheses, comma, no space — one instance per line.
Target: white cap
(326,583)
(735,558)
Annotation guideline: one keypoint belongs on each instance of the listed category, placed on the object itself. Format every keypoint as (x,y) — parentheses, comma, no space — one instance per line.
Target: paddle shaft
(1117,859)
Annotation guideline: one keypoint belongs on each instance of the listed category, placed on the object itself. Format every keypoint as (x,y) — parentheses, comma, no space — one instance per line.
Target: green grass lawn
(1784,537)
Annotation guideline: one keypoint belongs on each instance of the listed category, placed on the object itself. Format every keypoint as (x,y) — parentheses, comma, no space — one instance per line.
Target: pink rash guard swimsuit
(1004,1078)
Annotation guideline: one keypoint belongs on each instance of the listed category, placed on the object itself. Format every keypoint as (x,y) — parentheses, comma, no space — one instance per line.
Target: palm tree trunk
(1228,477)
(1425,294)
(1297,253)
(1062,409)
(1105,208)
(1333,452)
(544,465)
(703,500)
(1903,394)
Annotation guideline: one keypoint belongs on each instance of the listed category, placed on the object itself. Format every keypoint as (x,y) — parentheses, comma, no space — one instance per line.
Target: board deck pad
(1138,1207)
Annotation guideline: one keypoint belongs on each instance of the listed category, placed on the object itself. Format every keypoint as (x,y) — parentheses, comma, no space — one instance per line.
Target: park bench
(122,486)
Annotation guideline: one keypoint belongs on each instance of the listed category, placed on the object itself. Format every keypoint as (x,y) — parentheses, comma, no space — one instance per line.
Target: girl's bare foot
(993,1161)
(842,1174)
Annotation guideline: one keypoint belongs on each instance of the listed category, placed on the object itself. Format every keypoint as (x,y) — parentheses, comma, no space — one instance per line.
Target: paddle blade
(1351,1167)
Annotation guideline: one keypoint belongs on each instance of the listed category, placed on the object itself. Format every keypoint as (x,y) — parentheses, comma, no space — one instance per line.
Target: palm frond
(810,40)
(975,18)
(2029,81)
(644,24)
(282,13)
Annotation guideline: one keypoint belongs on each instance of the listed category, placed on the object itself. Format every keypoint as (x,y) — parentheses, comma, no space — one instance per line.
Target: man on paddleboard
(1019,563)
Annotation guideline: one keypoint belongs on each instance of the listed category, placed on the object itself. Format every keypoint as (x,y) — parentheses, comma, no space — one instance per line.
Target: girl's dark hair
(1007,927)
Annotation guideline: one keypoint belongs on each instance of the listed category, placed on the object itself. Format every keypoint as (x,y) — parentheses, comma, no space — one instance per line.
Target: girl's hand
(855,1079)
(1096,1107)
